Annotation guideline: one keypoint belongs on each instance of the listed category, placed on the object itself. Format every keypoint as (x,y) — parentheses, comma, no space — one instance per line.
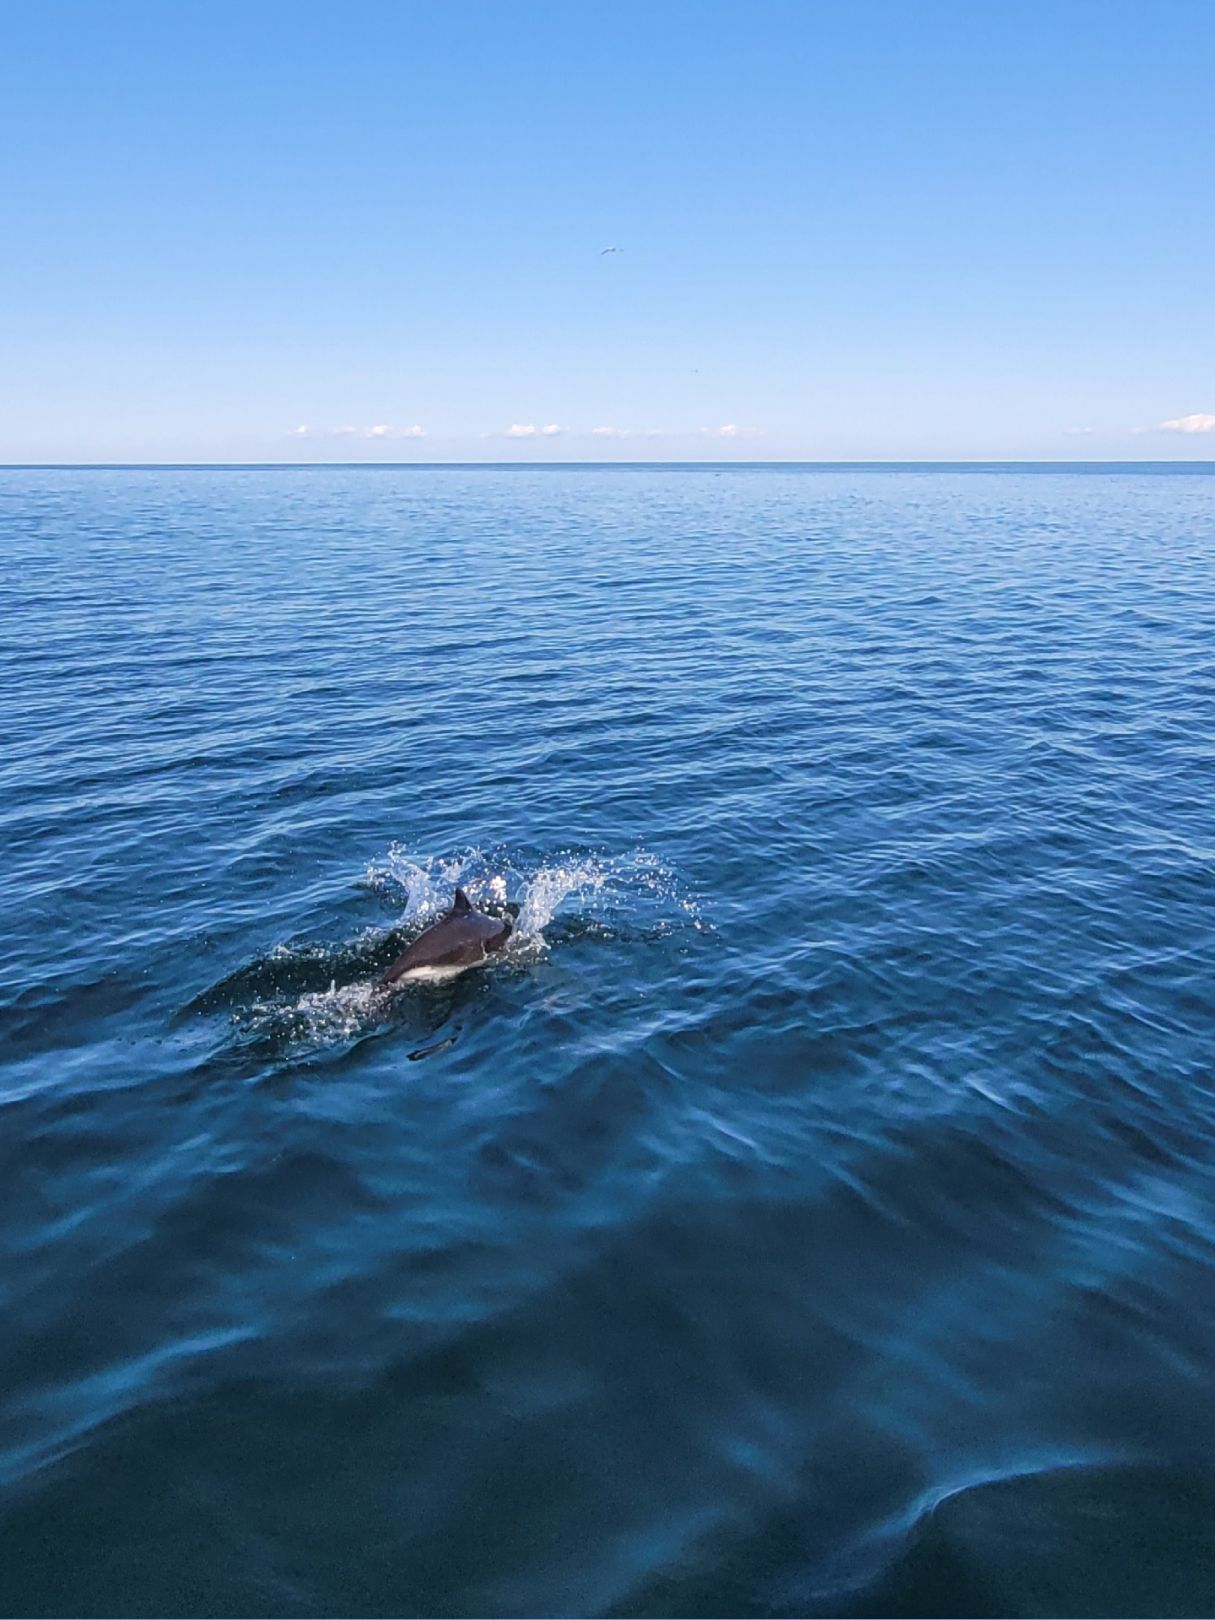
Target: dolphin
(462,938)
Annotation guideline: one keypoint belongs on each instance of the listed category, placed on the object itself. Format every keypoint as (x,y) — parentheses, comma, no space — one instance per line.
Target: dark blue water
(813,1214)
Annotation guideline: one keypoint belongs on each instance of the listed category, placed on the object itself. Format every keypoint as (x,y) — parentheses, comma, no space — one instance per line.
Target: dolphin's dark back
(460,939)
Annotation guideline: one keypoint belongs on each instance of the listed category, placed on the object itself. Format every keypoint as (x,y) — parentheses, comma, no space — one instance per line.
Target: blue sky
(848,230)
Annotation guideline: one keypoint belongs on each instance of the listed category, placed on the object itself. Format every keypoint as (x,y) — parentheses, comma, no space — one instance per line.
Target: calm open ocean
(813,1213)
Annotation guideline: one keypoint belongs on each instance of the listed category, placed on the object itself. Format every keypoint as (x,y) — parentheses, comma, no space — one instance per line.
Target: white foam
(319,1017)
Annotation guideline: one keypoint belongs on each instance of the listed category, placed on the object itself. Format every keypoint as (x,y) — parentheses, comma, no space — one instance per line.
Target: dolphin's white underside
(429,974)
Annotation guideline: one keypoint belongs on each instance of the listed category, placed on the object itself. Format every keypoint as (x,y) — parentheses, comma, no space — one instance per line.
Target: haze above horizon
(863,233)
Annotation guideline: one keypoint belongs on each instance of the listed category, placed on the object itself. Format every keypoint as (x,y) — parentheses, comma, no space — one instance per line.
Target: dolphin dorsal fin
(460,904)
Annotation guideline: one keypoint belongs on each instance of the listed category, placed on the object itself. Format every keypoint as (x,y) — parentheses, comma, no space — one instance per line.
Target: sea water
(811,1213)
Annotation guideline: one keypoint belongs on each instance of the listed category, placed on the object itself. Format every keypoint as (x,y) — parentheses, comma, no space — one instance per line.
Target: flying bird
(602,251)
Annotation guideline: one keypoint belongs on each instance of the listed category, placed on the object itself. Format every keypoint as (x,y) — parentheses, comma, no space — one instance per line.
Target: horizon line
(1193,463)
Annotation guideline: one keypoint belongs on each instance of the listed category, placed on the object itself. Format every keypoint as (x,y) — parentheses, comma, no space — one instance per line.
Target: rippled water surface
(812,1212)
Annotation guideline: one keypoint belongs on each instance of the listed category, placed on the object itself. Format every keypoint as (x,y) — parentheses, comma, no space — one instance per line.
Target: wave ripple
(809,1214)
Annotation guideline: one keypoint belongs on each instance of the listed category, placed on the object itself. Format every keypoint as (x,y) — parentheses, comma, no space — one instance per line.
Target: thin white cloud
(521,430)
(731,430)
(1080,430)
(379,430)
(550,430)
(627,433)
(1199,422)
(382,430)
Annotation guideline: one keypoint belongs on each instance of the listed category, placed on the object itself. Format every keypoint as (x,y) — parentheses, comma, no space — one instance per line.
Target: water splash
(549,887)
(622,894)
(283,997)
